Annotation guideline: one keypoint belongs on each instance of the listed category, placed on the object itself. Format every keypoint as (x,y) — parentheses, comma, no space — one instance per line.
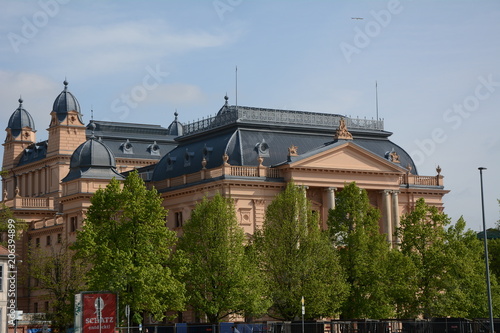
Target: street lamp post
(485,239)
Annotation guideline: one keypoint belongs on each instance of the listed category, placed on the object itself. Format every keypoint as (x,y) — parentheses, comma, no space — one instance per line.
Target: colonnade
(389,209)
(31,184)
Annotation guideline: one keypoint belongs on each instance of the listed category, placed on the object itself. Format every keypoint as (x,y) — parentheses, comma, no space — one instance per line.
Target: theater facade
(246,153)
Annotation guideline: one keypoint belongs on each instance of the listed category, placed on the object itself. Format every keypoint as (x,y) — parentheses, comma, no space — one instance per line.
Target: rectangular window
(46,306)
(73,224)
(1,277)
(37,242)
(178,219)
(48,240)
(35,307)
(59,238)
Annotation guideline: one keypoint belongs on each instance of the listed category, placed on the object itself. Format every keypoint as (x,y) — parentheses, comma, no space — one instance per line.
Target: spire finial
(20,100)
(92,127)
(92,113)
(65,84)
(226,98)
(176,114)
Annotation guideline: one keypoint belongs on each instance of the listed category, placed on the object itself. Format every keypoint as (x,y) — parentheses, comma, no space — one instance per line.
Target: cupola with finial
(175,127)
(20,134)
(66,130)
(21,125)
(66,106)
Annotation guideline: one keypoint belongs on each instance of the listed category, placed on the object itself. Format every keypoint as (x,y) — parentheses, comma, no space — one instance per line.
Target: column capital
(385,192)
(330,189)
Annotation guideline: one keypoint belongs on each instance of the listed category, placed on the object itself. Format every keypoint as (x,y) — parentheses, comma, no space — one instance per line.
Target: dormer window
(188,156)
(127,147)
(207,151)
(262,148)
(170,162)
(154,149)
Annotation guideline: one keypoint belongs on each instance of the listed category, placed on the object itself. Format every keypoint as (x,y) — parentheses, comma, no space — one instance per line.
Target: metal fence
(437,325)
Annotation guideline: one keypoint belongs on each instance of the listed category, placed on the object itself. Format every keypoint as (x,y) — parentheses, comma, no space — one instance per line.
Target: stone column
(386,215)
(30,185)
(24,185)
(43,177)
(395,214)
(35,183)
(330,198)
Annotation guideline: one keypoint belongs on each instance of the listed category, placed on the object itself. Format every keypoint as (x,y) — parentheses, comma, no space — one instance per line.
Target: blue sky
(436,64)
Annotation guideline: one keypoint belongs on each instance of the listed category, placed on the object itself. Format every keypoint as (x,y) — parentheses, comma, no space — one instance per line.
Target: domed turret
(175,127)
(92,159)
(66,102)
(19,120)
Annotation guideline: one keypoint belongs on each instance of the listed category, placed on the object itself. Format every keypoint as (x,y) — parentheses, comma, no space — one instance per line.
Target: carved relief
(292,151)
(394,157)
(245,216)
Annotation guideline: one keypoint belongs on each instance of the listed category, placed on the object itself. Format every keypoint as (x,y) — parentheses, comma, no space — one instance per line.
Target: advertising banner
(99,312)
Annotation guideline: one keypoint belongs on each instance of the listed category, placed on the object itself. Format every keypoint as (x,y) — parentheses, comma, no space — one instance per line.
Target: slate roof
(127,140)
(19,119)
(65,102)
(131,140)
(245,133)
(92,159)
(34,152)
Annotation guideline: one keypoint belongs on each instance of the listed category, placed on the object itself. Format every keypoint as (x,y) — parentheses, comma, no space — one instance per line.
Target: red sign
(99,312)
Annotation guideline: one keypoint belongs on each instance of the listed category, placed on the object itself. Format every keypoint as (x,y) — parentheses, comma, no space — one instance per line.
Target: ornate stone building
(246,153)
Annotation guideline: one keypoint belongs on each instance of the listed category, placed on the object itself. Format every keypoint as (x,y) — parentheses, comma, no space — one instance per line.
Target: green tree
(221,280)
(494,257)
(60,274)
(364,252)
(130,250)
(422,232)
(465,280)
(402,275)
(449,262)
(494,253)
(298,259)
(6,228)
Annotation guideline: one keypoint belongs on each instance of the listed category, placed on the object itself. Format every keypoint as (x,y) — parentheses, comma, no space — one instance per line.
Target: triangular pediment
(347,156)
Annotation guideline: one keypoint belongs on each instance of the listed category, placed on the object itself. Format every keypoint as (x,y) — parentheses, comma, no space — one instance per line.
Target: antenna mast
(376,100)
(236,72)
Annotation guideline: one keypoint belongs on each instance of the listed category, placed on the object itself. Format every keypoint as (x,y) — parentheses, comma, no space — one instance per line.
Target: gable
(347,156)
